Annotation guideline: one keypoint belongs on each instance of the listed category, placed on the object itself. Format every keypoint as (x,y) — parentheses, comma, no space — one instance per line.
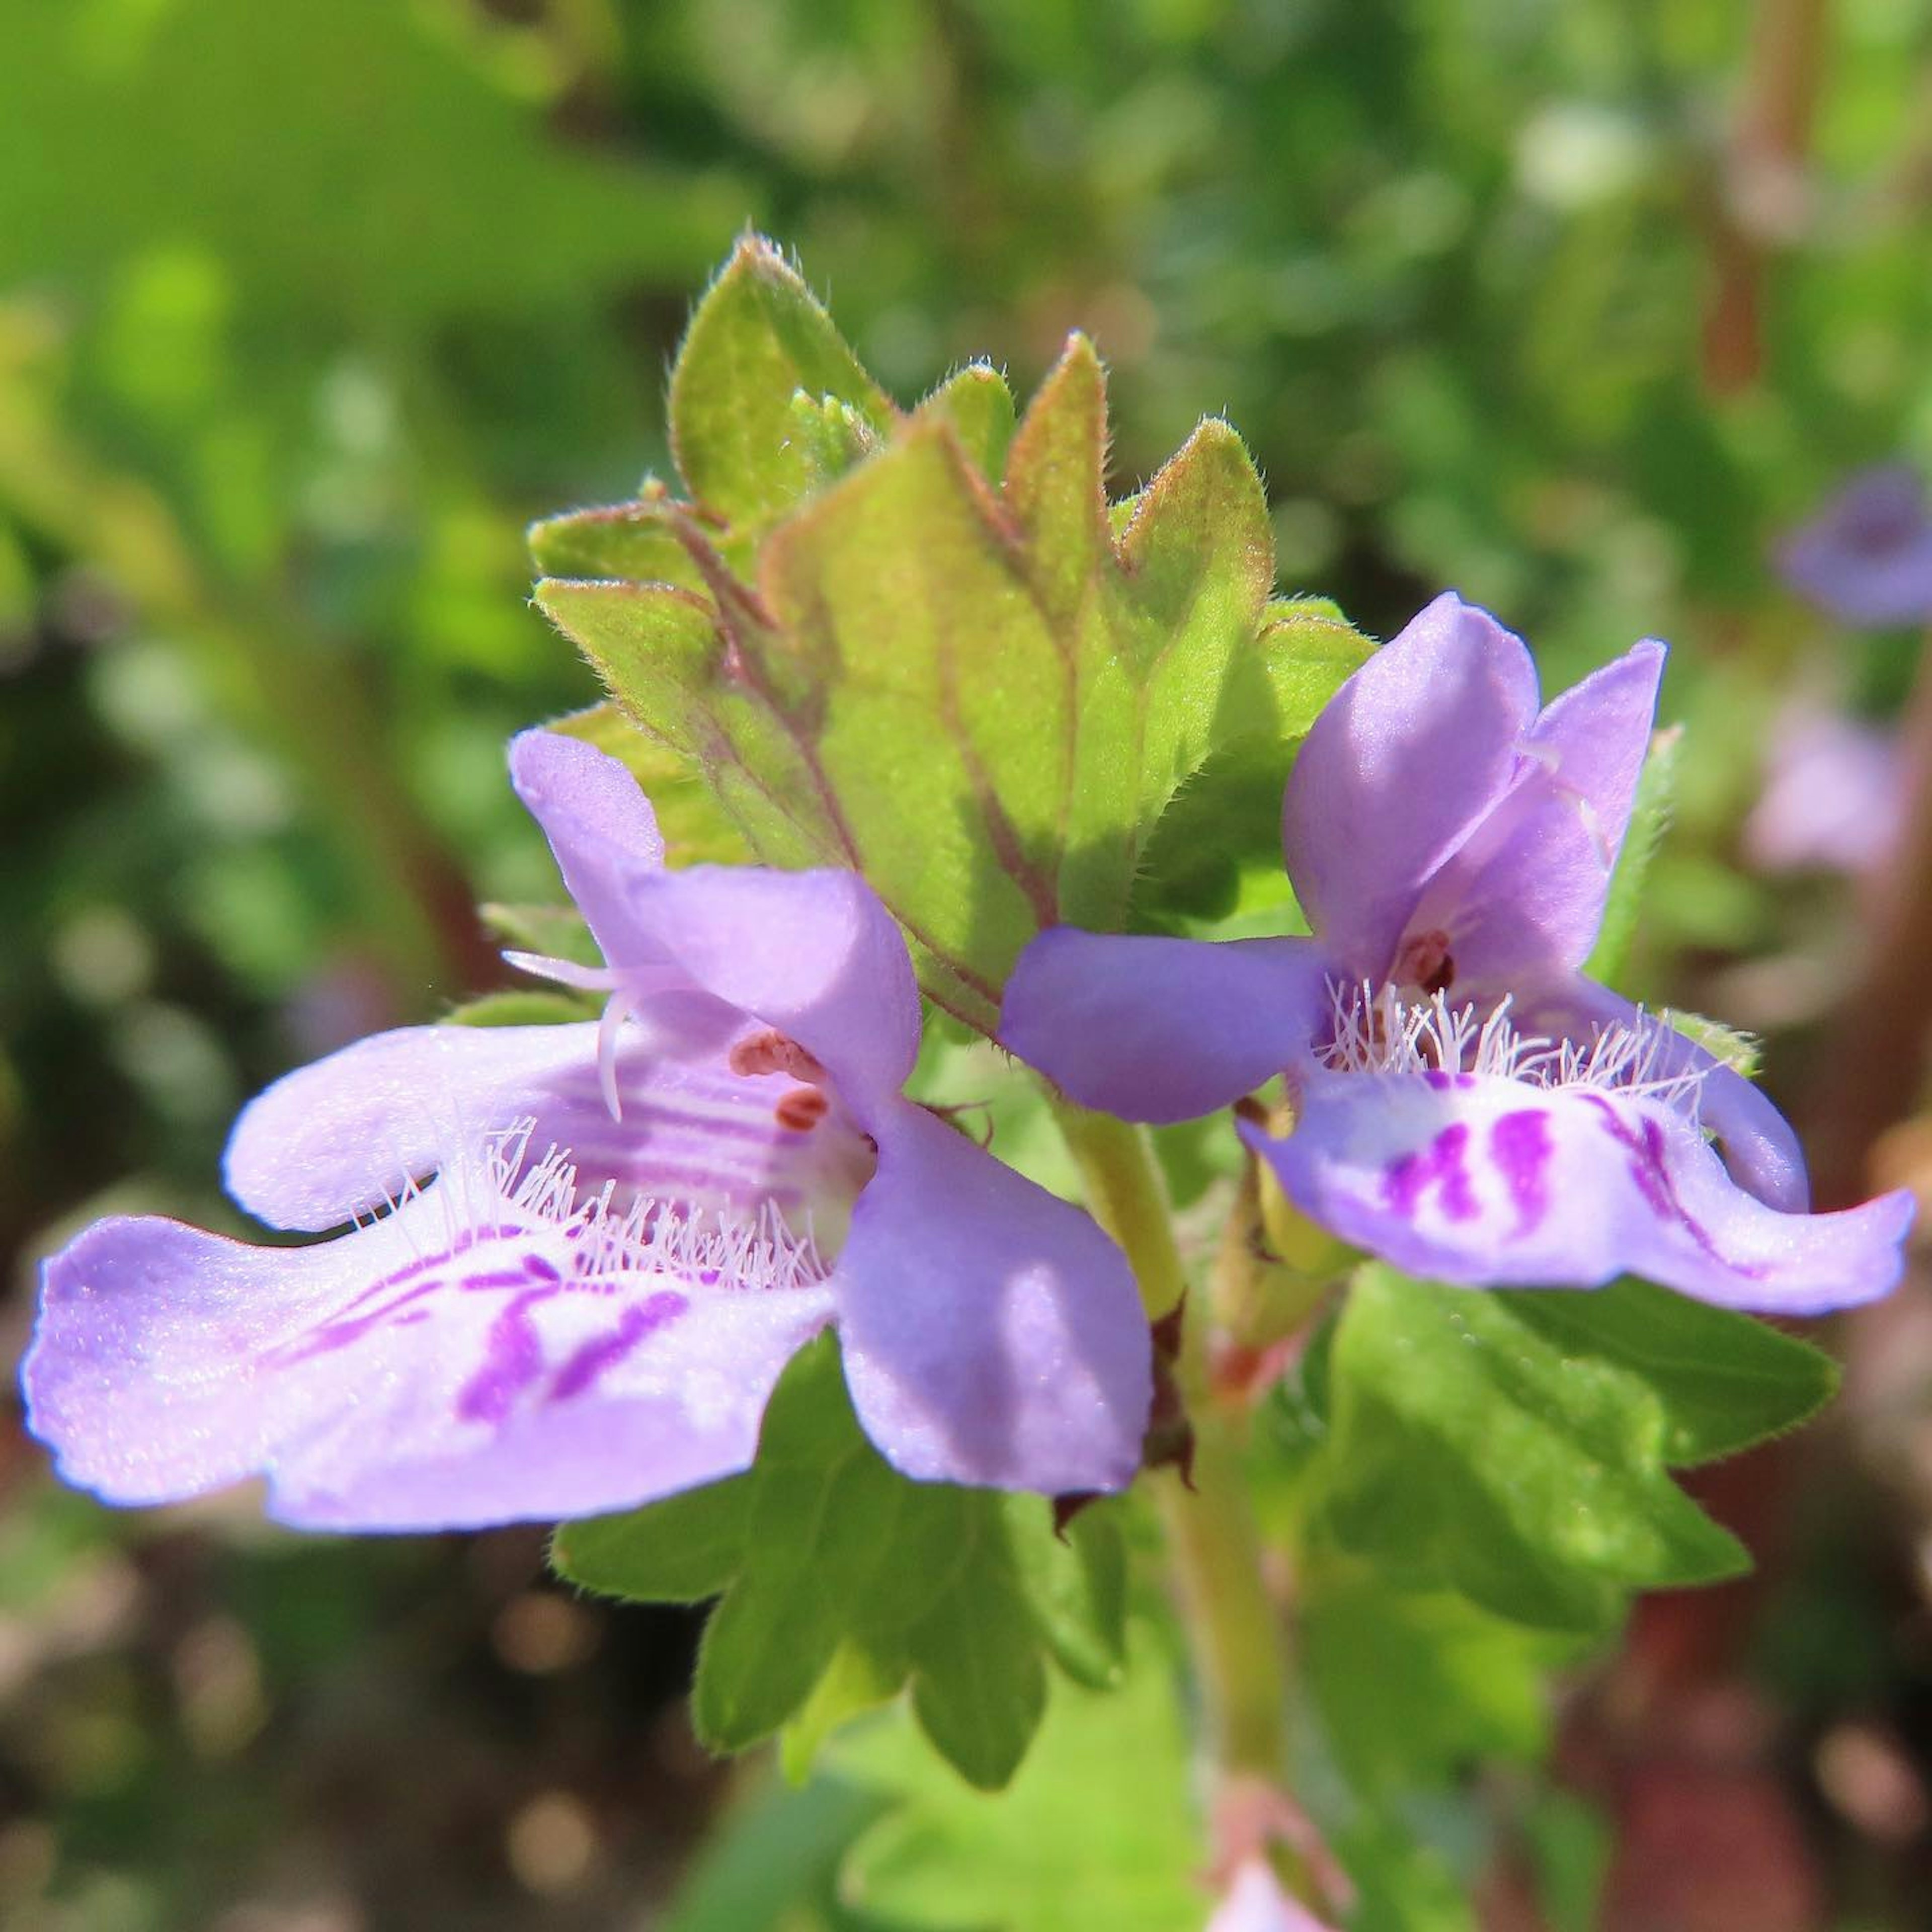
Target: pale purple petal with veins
(992,1334)
(1481,1180)
(346,1135)
(472,1358)
(1157,1029)
(596,1245)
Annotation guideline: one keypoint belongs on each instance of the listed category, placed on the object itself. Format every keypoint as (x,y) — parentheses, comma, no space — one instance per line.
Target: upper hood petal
(1415,750)
(1521,899)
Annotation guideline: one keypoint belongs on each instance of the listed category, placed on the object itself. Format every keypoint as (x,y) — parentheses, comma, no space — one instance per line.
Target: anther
(1425,960)
(771,1052)
(802,1109)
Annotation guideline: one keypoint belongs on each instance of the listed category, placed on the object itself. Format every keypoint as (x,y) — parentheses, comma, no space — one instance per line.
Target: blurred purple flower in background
(1833,795)
(1468,1104)
(1866,558)
(583,1254)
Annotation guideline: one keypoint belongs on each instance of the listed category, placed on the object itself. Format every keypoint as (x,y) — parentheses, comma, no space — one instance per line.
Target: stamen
(801,1110)
(1376,1031)
(771,1052)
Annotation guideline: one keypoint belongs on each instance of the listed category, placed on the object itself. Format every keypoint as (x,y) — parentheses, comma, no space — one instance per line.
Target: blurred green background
(306,310)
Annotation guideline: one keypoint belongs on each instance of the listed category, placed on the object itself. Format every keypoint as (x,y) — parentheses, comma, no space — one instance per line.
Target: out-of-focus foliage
(306,311)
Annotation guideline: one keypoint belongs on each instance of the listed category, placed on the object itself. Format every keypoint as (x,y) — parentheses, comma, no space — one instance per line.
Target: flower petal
(601,829)
(1154,1029)
(1415,749)
(395,1378)
(813,954)
(1522,898)
(1755,1139)
(992,1334)
(1866,559)
(350,1133)
(1488,1181)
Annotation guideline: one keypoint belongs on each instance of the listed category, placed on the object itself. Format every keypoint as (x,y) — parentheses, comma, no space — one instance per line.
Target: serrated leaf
(1469,1446)
(840,1580)
(978,406)
(682,1550)
(979,699)
(1742,1052)
(1097,1828)
(635,542)
(1650,819)
(758,339)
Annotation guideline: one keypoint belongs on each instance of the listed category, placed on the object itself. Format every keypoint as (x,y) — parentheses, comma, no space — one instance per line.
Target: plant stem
(1234,1631)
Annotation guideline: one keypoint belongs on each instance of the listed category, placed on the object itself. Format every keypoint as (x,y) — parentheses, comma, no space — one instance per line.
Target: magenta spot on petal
(1444,1082)
(1520,1145)
(512,1360)
(1649,1168)
(1410,1177)
(603,1353)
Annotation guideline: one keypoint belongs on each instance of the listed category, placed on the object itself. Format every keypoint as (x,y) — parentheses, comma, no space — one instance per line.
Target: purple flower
(580,1256)
(1467,1105)
(1834,794)
(1866,558)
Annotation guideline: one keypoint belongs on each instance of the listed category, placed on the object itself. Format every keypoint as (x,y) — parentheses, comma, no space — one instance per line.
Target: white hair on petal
(1376,1031)
(724,1248)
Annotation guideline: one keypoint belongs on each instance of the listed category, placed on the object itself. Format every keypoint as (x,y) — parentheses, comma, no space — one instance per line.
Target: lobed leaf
(1479,1440)
(978,687)
(841,1583)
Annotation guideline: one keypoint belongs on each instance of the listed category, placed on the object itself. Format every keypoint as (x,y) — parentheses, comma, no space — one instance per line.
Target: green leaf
(628,542)
(979,1682)
(1076,1584)
(1416,1687)
(444,193)
(758,339)
(978,406)
(777,1851)
(1724,1381)
(841,1582)
(1650,819)
(982,699)
(1472,1445)
(1742,1052)
(682,1550)
(520,1009)
(557,931)
(858,1679)
(1097,1829)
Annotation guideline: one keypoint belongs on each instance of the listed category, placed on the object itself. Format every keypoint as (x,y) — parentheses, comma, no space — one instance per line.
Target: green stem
(1233,1628)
